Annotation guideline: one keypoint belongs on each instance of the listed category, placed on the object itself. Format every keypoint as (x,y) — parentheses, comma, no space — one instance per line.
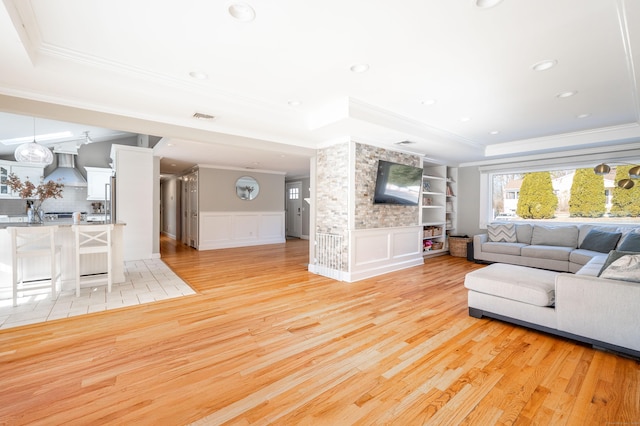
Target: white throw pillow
(627,268)
(502,232)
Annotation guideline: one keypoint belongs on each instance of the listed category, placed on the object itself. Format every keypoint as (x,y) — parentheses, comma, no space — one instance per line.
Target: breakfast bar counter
(35,269)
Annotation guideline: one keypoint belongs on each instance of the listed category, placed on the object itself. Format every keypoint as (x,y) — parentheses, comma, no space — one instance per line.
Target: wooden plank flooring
(266,342)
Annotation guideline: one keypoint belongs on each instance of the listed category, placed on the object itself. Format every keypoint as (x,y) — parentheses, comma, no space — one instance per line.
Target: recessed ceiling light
(428,102)
(465,119)
(198,75)
(544,65)
(169,144)
(566,94)
(585,115)
(242,12)
(360,68)
(294,103)
(486,4)
(494,132)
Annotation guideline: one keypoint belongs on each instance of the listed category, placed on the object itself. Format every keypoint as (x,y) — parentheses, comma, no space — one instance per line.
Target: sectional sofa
(555,247)
(576,281)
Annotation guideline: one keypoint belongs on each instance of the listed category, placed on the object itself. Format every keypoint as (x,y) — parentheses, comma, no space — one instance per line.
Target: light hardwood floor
(266,342)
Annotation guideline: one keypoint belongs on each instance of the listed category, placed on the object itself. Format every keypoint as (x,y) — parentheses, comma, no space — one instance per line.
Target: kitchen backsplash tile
(73,200)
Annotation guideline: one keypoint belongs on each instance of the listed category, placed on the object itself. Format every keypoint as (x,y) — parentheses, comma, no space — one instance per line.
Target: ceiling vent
(202,116)
(405,143)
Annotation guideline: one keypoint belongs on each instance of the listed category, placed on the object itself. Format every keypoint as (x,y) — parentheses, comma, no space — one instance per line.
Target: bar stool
(33,243)
(92,239)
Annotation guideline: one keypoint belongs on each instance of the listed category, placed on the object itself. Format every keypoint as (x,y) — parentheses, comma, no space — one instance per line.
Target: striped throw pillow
(502,232)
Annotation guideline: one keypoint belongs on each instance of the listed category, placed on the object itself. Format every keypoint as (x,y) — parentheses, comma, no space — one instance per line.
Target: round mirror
(247,188)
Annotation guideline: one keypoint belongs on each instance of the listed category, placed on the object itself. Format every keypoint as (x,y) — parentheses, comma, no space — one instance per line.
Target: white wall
(469,201)
(227,221)
(134,168)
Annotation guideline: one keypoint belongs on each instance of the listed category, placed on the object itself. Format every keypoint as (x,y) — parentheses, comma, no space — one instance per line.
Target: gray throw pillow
(502,232)
(600,241)
(630,243)
(627,268)
(613,256)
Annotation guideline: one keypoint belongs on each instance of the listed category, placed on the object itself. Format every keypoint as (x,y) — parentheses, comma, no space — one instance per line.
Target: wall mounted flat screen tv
(397,184)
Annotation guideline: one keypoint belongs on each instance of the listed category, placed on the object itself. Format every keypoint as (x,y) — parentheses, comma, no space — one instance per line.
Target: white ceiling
(126,64)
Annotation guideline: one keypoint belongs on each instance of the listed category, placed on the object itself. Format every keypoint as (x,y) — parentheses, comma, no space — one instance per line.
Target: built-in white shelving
(438,207)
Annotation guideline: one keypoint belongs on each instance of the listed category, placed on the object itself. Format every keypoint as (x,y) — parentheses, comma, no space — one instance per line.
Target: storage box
(458,245)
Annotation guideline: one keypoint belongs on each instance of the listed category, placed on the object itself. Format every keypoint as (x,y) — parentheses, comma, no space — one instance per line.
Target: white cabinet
(97,179)
(25,171)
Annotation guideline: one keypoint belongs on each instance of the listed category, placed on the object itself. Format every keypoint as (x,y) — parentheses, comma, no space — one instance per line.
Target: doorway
(190,210)
(293,210)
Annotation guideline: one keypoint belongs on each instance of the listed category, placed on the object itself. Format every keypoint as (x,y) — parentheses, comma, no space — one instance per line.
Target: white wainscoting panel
(378,251)
(240,229)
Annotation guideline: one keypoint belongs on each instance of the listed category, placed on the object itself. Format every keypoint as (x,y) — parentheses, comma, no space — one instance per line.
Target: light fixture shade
(33,152)
(634,172)
(601,169)
(625,183)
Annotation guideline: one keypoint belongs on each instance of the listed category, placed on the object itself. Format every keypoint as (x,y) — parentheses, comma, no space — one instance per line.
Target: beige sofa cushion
(503,248)
(582,256)
(523,233)
(546,252)
(561,236)
(520,283)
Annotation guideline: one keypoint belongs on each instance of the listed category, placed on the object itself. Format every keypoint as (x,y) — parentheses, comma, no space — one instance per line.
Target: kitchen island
(35,269)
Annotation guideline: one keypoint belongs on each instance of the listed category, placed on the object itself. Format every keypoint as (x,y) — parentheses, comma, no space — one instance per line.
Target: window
(294,193)
(569,195)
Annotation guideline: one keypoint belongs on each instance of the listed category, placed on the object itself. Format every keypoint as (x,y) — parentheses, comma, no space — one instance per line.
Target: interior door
(294,209)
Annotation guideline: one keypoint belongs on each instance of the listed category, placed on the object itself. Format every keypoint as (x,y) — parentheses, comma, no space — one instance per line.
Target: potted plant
(35,195)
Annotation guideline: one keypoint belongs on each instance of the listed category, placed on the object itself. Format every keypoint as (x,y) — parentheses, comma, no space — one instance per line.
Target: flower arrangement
(35,194)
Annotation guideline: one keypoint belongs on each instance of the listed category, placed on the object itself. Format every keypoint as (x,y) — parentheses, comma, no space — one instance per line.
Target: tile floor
(145,281)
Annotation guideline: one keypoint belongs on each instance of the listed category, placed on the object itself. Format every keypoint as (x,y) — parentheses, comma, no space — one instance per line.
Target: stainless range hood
(66,173)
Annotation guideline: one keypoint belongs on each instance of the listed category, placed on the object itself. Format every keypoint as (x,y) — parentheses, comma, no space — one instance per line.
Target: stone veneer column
(332,195)
(333,170)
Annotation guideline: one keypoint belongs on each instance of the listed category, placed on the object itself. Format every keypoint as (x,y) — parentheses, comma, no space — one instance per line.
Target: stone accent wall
(332,195)
(367,214)
(332,170)
(332,192)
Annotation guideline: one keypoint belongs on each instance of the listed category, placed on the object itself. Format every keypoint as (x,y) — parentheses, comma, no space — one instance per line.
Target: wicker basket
(458,246)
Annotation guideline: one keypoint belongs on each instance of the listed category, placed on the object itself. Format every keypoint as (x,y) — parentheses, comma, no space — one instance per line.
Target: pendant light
(601,169)
(33,152)
(625,183)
